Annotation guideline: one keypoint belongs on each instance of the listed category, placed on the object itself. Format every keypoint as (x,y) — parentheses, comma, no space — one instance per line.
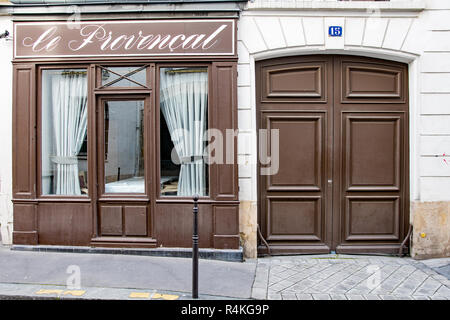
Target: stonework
(431,232)
(248,229)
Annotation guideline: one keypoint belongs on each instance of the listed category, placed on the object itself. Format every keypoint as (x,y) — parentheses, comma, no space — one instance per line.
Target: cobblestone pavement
(346,277)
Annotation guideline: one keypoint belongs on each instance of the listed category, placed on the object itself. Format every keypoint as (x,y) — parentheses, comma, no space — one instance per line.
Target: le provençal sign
(124,38)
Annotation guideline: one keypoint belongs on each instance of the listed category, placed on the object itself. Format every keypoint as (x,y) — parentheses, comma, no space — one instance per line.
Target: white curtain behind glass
(69,115)
(184,105)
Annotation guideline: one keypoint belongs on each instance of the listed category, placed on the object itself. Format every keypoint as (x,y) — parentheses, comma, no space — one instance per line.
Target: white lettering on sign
(46,41)
(100,38)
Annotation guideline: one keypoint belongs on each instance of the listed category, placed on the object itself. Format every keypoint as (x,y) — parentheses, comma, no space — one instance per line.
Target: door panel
(342,182)
(295,206)
(294,218)
(300,159)
(372,152)
(370,178)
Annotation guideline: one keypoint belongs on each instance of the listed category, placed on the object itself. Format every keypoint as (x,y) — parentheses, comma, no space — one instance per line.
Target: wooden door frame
(334,200)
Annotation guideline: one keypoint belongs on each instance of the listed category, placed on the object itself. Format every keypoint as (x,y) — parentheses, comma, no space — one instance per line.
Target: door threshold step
(235,255)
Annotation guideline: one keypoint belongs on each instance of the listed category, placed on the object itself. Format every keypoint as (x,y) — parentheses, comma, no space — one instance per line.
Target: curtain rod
(67,73)
(187,71)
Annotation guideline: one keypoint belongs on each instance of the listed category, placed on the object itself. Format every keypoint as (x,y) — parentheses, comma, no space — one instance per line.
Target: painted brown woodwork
(294,218)
(173,225)
(372,83)
(300,159)
(225,119)
(124,220)
(135,220)
(23,131)
(343,182)
(373,155)
(25,224)
(111,220)
(226,227)
(368,218)
(65,224)
(294,81)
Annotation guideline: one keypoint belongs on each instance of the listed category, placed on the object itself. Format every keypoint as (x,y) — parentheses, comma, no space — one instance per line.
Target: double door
(337,137)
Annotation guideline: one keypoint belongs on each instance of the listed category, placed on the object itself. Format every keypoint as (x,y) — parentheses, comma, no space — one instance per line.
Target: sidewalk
(45,275)
(117,276)
(351,277)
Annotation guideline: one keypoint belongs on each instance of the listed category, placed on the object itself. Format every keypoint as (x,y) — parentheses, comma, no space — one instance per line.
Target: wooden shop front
(111,120)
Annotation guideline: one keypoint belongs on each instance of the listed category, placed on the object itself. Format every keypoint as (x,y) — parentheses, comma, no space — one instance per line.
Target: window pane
(184,121)
(64,131)
(111,74)
(124,146)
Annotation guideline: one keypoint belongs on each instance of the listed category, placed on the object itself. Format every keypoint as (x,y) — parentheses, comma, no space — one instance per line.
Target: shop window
(124,146)
(64,130)
(183,123)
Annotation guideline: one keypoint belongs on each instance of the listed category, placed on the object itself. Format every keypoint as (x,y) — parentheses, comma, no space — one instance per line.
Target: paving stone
(388,297)
(321,296)
(438,298)
(337,296)
(304,296)
(421,297)
(355,297)
(372,297)
(427,288)
(285,296)
(443,291)
(274,296)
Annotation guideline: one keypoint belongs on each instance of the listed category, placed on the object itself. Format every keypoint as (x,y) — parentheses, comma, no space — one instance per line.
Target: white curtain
(69,113)
(184,105)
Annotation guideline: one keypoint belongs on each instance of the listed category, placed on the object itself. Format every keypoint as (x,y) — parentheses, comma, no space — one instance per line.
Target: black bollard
(195,250)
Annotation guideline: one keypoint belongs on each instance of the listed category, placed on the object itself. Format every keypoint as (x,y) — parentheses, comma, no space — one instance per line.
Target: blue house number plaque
(335,31)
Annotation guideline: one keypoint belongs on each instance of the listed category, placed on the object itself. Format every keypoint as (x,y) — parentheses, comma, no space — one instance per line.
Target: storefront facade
(111,117)
(355,91)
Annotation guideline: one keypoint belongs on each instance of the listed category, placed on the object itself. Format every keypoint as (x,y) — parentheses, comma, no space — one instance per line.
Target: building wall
(415,32)
(6,51)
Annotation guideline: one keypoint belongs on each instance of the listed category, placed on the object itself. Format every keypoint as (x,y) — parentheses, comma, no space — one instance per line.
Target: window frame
(100,146)
(39,142)
(157,166)
(99,67)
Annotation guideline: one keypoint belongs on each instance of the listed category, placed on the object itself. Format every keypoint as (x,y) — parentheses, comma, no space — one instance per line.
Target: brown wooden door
(342,181)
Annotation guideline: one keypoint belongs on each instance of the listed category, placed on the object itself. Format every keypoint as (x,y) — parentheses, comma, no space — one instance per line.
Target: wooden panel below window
(67,224)
(174,221)
(226,227)
(135,220)
(111,220)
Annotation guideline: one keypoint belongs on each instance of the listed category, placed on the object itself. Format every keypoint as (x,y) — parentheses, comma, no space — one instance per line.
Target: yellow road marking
(165,296)
(144,295)
(49,291)
(75,292)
